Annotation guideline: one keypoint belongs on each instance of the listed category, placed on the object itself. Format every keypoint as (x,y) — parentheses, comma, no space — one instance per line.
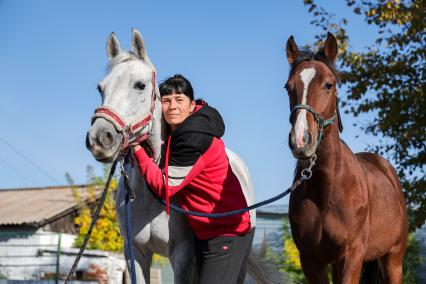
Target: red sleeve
(155,177)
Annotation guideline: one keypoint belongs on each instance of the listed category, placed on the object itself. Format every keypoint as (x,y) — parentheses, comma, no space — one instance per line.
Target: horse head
(128,92)
(312,90)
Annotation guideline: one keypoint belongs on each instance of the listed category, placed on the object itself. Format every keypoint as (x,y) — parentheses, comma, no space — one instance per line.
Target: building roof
(273,209)
(36,206)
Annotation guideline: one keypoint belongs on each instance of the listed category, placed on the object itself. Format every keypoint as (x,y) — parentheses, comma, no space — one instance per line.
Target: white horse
(130,99)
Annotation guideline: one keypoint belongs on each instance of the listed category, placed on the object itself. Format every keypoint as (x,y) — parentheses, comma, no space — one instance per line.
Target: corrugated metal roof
(37,205)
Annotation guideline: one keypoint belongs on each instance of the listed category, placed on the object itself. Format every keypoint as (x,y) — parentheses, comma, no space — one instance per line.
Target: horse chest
(315,226)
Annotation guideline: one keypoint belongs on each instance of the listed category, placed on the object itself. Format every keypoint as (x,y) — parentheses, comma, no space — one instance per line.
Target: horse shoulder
(386,206)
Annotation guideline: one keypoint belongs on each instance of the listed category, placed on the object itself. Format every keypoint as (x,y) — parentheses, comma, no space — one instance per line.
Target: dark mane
(308,55)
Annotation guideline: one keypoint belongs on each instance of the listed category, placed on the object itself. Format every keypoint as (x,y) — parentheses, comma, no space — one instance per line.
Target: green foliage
(412,259)
(388,79)
(69,178)
(3,273)
(106,234)
(289,263)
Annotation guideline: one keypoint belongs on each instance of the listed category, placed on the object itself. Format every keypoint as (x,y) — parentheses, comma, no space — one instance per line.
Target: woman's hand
(136,147)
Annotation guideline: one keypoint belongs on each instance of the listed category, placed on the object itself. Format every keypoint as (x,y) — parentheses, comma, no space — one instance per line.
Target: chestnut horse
(352,210)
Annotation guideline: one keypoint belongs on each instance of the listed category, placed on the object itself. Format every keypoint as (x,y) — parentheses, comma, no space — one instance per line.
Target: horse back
(242,173)
(387,211)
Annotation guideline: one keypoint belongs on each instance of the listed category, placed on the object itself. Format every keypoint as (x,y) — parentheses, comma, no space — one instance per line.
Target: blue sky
(52,55)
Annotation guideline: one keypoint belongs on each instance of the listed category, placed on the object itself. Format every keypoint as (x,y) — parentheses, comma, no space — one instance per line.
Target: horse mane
(307,54)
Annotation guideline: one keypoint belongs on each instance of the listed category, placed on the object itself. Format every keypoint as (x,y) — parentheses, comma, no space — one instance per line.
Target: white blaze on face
(301,122)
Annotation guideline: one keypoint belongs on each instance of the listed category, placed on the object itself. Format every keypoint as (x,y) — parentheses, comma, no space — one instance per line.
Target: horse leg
(142,266)
(335,273)
(182,260)
(391,265)
(314,271)
(351,266)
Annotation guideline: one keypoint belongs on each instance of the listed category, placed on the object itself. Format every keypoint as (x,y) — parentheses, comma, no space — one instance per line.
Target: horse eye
(328,86)
(139,85)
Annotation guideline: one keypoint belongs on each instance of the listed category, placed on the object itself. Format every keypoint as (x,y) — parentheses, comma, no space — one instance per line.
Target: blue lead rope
(129,242)
(230,213)
(130,196)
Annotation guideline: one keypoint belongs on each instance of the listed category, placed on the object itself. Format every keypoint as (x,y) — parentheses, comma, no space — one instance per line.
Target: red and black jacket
(199,173)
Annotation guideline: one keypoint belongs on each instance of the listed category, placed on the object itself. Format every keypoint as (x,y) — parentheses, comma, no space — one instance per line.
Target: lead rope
(130,196)
(304,175)
(92,225)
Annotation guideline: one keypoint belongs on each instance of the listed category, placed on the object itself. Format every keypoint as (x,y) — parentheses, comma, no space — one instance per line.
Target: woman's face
(176,108)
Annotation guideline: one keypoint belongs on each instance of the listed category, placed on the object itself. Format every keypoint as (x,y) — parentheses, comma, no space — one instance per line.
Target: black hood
(205,120)
(195,135)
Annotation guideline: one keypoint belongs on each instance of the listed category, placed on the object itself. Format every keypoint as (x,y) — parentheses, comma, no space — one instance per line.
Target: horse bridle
(321,122)
(129,131)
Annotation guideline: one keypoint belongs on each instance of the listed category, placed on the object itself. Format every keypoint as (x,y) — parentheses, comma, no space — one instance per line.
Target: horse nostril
(106,139)
(306,138)
(309,139)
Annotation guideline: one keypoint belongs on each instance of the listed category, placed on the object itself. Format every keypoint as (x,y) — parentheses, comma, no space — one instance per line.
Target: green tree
(106,233)
(290,262)
(388,79)
(69,178)
(412,259)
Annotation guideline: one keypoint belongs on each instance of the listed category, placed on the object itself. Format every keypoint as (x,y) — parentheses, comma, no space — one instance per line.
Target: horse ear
(138,45)
(330,47)
(292,50)
(113,46)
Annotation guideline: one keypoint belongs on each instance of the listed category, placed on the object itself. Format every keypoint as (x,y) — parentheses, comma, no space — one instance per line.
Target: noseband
(129,131)
(321,122)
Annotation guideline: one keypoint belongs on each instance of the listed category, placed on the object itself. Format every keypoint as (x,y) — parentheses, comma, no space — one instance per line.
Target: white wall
(28,255)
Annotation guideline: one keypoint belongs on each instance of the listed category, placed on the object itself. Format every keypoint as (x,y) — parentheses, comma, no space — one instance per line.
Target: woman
(197,170)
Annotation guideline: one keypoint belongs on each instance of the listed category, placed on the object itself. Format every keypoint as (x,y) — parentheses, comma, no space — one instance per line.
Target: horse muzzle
(103,141)
(303,147)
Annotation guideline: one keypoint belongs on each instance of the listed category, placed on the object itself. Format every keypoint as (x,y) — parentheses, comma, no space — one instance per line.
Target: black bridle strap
(317,117)
(322,123)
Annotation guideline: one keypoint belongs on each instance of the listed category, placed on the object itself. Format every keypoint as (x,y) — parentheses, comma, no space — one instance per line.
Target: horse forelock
(308,55)
(125,57)
(120,58)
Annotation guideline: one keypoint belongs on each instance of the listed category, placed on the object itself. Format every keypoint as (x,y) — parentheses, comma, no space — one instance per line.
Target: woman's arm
(179,176)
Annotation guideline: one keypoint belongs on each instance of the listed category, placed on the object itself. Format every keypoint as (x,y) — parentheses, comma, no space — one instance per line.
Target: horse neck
(329,151)
(329,159)
(155,143)
(158,136)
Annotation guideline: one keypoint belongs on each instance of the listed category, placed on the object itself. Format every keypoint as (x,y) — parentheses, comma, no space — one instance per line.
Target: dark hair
(177,84)
(306,55)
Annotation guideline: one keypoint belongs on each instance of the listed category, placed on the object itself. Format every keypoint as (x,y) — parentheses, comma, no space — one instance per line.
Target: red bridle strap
(113,117)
